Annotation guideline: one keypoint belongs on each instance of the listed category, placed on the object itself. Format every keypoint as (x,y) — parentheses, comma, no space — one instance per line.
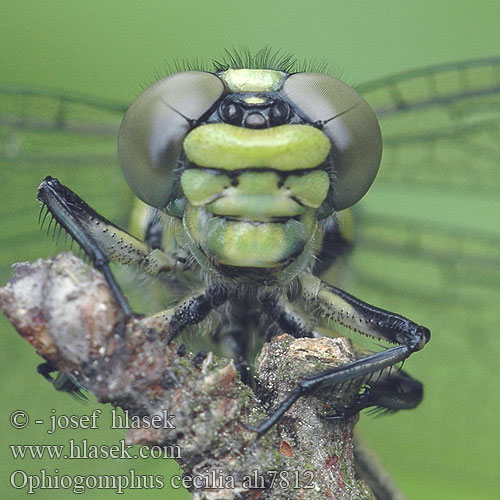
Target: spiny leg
(190,311)
(387,394)
(101,240)
(64,382)
(359,316)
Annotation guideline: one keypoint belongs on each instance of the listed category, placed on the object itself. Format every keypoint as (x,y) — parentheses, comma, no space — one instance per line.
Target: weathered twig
(65,310)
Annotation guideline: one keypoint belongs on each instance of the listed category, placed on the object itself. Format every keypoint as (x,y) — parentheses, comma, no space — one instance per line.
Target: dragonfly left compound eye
(154,127)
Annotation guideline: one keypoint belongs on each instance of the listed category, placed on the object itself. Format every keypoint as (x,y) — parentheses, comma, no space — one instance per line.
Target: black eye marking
(278,114)
(321,123)
(256,111)
(255,120)
(190,121)
(231,113)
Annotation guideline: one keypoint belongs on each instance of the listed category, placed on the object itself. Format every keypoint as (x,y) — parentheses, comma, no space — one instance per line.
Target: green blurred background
(113,49)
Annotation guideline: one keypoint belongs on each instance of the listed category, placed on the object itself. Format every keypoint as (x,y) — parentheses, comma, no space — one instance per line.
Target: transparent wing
(428,246)
(440,125)
(74,139)
(69,137)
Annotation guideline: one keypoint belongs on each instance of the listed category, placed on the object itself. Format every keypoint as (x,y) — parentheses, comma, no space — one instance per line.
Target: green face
(250,160)
(253,193)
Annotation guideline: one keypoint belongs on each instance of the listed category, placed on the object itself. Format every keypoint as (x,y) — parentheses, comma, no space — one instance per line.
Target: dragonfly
(414,248)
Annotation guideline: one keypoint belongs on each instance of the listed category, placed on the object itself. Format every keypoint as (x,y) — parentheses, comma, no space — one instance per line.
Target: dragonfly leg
(387,394)
(100,239)
(190,311)
(61,381)
(278,309)
(337,305)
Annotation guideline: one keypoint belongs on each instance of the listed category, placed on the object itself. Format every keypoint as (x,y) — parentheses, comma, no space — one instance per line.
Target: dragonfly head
(250,159)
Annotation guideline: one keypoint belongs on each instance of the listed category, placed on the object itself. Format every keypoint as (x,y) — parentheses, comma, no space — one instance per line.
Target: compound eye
(349,123)
(231,113)
(154,127)
(278,113)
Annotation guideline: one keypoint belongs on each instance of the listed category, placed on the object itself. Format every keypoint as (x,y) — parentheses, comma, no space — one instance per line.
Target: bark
(66,311)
